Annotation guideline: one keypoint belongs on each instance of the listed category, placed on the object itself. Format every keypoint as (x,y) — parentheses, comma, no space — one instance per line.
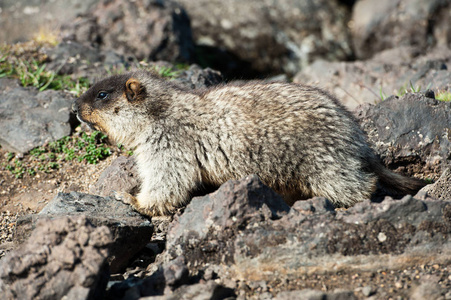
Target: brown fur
(298,139)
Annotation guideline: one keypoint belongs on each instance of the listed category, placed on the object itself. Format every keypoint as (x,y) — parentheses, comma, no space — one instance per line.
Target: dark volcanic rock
(84,61)
(411,133)
(230,208)
(170,281)
(242,231)
(380,25)
(392,72)
(441,189)
(176,273)
(87,62)
(131,231)
(196,77)
(315,295)
(150,30)
(29,118)
(121,175)
(208,290)
(79,60)
(267,36)
(65,259)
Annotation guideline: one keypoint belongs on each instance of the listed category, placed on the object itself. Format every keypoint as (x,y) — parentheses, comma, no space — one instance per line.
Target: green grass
(32,72)
(9,156)
(16,168)
(440,95)
(411,89)
(169,72)
(443,96)
(382,94)
(93,146)
(428,180)
(166,72)
(27,64)
(90,148)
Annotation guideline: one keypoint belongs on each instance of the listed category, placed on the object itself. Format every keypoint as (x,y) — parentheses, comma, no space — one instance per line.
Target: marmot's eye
(102,95)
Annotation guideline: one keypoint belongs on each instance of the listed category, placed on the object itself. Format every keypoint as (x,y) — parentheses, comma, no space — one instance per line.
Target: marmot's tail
(396,185)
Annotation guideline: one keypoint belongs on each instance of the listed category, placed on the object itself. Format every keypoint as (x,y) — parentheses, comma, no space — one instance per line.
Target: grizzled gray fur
(298,139)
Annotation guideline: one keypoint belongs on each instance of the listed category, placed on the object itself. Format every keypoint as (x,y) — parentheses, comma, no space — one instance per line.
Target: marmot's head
(121,106)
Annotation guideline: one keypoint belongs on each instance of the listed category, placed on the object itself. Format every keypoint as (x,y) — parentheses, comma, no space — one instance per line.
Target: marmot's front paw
(124,197)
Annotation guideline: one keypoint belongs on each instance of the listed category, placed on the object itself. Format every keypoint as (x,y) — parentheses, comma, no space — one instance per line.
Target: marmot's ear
(134,90)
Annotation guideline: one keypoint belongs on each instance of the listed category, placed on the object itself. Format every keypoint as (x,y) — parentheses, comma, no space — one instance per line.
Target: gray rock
(408,210)
(84,61)
(441,189)
(150,30)
(379,25)
(170,281)
(410,133)
(22,20)
(196,77)
(131,231)
(428,289)
(135,288)
(315,295)
(231,207)
(241,233)
(202,291)
(121,175)
(29,118)
(176,273)
(368,291)
(392,72)
(265,37)
(317,205)
(66,258)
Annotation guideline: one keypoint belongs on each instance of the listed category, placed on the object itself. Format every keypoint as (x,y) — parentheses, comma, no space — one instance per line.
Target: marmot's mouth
(86,122)
(80,119)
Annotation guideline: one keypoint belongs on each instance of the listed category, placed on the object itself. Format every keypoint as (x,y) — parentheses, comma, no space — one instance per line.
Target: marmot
(298,139)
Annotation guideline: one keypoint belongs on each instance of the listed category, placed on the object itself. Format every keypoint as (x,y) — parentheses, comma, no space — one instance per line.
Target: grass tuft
(31,71)
(83,146)
(443,95)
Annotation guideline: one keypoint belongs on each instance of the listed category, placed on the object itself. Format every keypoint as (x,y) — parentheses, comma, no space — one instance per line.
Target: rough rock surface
(441,189)
(391,72)
(208,290)
(268,36)
(121,175)
(65,259)
(380,25)
(79,60)
(22,20)
(243,232)
(309,294)
(130,231)
(151,30)
(313,230)
(411,133)
(29,118)
(170,281)
(224,209)
(195,77)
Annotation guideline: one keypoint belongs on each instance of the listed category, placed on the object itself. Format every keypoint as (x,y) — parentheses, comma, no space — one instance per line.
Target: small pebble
(368,291)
